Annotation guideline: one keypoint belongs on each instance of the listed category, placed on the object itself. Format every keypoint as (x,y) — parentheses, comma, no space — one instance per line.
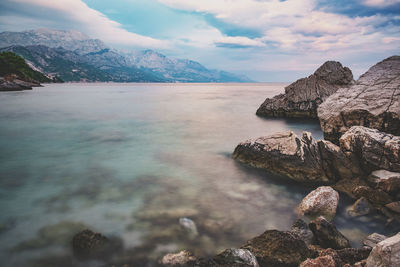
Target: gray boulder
(373,239)
(322,201)
(373,101)
(302,97)
(235,258)
(386,253)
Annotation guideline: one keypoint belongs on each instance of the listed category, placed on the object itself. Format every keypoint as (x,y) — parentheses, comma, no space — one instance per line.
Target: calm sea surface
(129,160)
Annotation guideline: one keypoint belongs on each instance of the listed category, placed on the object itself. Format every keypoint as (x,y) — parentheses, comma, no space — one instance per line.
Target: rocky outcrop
(15,85)
(373,239)
(372,149)
(302,97)
(343,257)
(386,181)
(373,101)
(322,201)
(277,248)
(300,158)
(326,234)
(386,253)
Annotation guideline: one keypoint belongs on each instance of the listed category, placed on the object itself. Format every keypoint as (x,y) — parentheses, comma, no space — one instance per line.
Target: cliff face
(302,98)
(373,101)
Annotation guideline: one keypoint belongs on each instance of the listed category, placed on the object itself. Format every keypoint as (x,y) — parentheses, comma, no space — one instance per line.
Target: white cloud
(95,24)
(240,41)
(293,25)
(379,3)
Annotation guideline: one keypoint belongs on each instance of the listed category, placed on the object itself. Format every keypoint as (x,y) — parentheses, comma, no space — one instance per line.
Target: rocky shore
(360,157)
(16,84)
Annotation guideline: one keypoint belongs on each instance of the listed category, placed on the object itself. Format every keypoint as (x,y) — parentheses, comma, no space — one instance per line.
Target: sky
(267,40)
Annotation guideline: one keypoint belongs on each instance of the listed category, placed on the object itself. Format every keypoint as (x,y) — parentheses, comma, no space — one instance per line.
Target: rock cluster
(302,97)
(373,101)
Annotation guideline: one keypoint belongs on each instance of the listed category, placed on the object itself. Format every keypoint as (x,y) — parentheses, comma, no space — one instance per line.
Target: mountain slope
(75,57)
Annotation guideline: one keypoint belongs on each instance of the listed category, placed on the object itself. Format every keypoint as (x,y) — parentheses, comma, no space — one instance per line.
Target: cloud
(92,22)
(239,41)
(380,3)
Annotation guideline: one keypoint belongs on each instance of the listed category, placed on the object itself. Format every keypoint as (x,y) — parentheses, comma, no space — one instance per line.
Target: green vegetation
(11,63)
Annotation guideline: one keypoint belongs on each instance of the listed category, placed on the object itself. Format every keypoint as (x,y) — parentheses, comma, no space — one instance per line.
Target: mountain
(73,56)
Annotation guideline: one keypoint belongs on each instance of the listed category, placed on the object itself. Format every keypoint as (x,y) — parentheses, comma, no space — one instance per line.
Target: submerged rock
(374,196)
(360,207)
(276,248)
(373,239)
(189,226)
(321,201)
(302,97)
(236,258)
(373,101)
(88,244)
(301,229)
(386,253)
(394,206)
(181,259)
(326,234)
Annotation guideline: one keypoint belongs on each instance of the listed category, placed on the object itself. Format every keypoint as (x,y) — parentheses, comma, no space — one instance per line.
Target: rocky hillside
(16,74)
(374,101)
(302,98)
(75,57)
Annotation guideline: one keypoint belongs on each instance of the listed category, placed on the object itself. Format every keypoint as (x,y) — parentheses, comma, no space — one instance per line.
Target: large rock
(326,234)
(321,201)
(300,228)
(374,150)
(276,248)
(302,97)
(373,239)
(386,180)
(386,253)
(373,101)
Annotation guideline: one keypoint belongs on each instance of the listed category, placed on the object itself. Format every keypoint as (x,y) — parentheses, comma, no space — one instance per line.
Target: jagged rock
(373,239)
(235,258)
(284,153)
(374,196)
(373,101)
(386,253)
(394,206)
(181,259)
(301,229)
(302,97)
(326,234)
(373,149)
(359,208)
(189,226)
(321,201)
(277,248)
(345,256)
(386,180)
(321,261)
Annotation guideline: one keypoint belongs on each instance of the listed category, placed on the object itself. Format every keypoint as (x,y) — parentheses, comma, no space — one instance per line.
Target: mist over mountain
(73,56)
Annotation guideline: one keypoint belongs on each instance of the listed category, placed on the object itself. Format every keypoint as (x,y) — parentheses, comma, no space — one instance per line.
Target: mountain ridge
(112,65)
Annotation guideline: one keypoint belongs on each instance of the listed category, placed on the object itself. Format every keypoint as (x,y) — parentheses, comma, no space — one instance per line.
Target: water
(128,160)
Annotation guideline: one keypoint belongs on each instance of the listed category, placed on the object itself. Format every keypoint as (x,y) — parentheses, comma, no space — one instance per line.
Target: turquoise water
(128,160)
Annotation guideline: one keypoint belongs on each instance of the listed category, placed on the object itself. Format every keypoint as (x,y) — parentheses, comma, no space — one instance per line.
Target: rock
(284,153)
(386,253)
(277,248)
(345,256)
(373,239)
(373,149)
(359,208)
(181,259)
(326,234)
(301,159)
(88,244)
(374,196)
(14,85)
(385,180)
(322,201)
(189,226)
(394,206)
(302,97)
(373,101)
(322,261)
(236,258)
(301,229)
